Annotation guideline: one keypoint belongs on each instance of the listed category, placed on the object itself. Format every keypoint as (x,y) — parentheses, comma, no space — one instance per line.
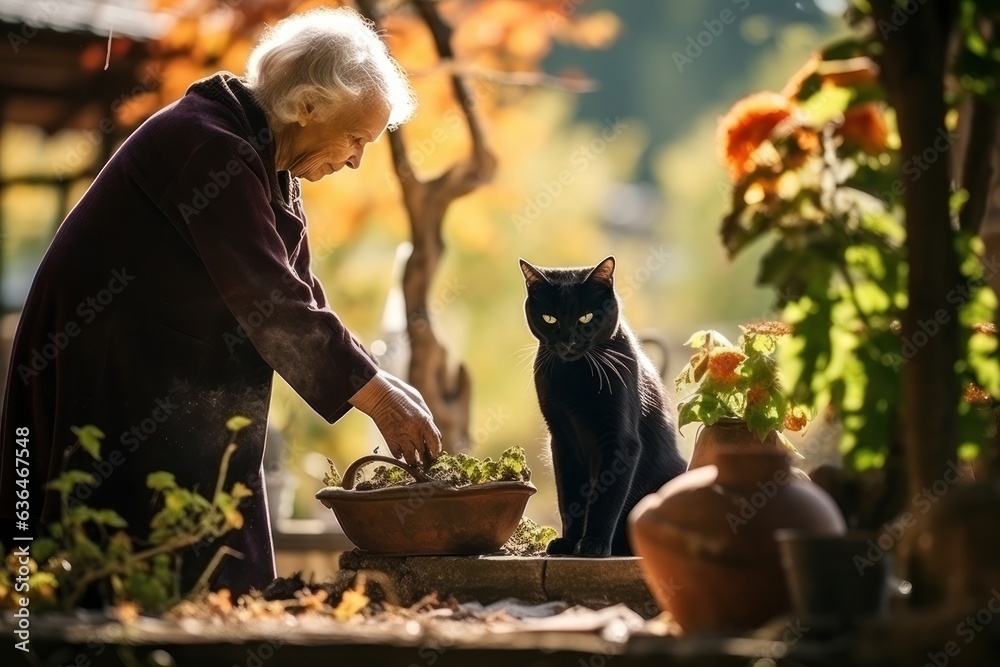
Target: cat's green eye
(586,318)
(549,319)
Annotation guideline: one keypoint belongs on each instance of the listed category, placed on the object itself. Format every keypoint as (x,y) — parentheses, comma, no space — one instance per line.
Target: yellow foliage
(353,601)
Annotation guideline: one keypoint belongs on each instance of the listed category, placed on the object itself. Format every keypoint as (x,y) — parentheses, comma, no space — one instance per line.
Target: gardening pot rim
(439,489)
(728,422)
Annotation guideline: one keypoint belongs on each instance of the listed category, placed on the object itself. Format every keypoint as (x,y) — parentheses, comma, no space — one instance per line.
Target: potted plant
(707,536)
(735,390)
(460,505)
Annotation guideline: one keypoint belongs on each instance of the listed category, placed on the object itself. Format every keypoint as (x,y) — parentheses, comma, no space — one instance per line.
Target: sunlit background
(644,183)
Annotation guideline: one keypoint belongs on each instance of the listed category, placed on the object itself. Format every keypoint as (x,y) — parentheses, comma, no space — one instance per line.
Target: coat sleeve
(219,200)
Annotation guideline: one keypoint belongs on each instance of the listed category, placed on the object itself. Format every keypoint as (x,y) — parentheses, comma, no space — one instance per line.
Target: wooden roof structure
(59,70)
(53,76)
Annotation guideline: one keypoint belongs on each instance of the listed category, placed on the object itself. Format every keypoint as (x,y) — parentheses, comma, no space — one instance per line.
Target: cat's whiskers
(601,373)
(526,356)
(593,368)
(546,358)
(616,353)
(523,352)
(615,361)
(609,363)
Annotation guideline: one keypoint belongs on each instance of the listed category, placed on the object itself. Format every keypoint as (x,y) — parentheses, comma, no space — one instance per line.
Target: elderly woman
(181,282)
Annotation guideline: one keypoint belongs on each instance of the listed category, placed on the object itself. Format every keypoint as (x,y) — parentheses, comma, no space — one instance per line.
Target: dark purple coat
(170,294)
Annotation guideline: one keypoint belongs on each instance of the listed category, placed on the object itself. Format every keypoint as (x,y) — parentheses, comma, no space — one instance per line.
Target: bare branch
(484,163)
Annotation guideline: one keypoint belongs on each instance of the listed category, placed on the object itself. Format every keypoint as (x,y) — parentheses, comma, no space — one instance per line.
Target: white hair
(325,57)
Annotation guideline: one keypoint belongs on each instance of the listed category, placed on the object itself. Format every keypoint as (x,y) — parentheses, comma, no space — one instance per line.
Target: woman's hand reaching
(402,416)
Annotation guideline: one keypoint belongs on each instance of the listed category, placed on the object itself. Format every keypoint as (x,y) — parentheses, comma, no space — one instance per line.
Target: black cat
(612,427)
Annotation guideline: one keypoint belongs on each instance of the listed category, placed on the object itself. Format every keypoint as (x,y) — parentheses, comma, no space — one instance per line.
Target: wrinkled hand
(408,390)
(402,416)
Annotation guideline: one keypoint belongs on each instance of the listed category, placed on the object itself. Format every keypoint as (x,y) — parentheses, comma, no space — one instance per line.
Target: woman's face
(321,147)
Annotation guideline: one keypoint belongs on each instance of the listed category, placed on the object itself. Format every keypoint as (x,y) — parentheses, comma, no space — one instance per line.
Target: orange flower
(806,144)
(745,128)
(864,128)
(795,420)
(977,396)
(722,364)
(757,395)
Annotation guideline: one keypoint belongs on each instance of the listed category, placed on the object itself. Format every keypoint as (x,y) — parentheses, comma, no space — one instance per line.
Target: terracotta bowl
(426,517)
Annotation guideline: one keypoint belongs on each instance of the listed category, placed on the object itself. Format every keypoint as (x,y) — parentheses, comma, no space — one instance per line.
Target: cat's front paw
(560,546)
(592,547)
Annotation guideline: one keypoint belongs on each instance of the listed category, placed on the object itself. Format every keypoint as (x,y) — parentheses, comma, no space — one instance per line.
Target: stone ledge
(590,582)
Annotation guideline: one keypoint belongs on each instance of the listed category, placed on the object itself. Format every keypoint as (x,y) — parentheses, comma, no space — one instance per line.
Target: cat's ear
(604,272)
(533,278)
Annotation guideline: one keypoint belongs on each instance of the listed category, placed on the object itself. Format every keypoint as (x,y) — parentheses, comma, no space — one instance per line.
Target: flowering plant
(738,381)
(817,179)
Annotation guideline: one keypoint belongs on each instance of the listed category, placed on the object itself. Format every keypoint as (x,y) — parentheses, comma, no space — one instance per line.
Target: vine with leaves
(79,550)
(821,173)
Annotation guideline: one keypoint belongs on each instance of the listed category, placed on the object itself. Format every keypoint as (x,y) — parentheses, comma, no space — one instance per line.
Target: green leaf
(332,476)
(767,416)
(704,408)
(698,338)
(108,518)
(709,338)
(828,103)
(43,548)
(240,491)
(69,480)
(236,423)
(90,439)
(161,480)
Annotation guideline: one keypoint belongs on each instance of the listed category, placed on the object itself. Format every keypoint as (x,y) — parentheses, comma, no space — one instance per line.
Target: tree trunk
(448,392)
(913,68)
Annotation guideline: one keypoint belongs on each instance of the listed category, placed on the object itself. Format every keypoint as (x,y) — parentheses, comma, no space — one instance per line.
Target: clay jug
(707,539)
(728,435)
